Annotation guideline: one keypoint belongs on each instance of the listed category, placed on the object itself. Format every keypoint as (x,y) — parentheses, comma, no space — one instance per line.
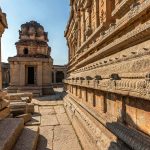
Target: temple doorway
(30,75)
(59,76)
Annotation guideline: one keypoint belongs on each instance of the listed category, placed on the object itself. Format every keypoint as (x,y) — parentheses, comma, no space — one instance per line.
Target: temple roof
(33,31)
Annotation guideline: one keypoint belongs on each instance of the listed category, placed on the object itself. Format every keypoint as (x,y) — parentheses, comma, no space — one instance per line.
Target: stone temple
(108,84)
(31,68)
(105,103)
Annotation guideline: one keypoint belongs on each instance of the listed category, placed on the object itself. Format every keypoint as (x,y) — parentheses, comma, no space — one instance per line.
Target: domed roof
(33,31)
(32,24)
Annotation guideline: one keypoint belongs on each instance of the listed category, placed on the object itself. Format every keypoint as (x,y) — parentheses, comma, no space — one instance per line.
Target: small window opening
(25,51)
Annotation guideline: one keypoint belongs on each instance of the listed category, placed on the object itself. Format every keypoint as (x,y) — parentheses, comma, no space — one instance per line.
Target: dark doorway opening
(59,76)
(30,75)
(25,51)
(52,77)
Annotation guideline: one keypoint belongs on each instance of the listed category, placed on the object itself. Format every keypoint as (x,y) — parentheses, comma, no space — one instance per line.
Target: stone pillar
(39,74)
(11,68)
(22,74)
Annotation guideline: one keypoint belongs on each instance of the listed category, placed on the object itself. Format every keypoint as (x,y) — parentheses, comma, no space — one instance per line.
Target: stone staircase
(15,136)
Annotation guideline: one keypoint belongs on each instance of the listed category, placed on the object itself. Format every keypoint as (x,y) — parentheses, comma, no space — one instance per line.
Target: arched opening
(25,51)
(59,76)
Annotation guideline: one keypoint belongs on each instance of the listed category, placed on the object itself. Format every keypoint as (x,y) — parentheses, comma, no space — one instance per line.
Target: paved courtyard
(56,131)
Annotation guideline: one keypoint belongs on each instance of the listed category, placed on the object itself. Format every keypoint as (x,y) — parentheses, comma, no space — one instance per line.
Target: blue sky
(52,14)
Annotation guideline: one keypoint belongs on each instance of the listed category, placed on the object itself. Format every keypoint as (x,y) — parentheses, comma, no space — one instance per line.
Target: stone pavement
(56,131)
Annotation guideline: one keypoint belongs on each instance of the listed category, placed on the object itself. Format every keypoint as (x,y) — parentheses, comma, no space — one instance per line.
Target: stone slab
(36,108)
(63,119)
(14,105)
(28,139)
(4,113)
(10,130)
(16,96)
(46,138)
(59,109)
(35,120)
(25,117)
(49,120)
(26,99)
(2,94)
(65,138)
(3,103)
(48,103)
(30,108)
(47,110)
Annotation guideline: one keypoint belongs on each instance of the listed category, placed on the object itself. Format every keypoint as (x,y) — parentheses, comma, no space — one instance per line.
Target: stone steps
(3,104)
(10,130)
(28,139)
(21,108)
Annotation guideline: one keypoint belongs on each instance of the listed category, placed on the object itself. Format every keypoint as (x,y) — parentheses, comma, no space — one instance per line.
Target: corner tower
(31,68)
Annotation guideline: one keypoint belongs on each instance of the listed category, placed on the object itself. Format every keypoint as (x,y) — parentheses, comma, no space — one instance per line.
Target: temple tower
(31,68)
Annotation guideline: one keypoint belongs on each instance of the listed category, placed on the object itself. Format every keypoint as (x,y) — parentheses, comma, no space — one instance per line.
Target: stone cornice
(120,6)
(127,54)
(129,87)
(128,19)
(29,59)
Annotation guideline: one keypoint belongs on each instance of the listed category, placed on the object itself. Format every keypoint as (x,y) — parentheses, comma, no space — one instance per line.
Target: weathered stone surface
(36,108)
(10,130)
(18,107)
(65,138)
(49,120)
(2,94)
(30,108)
(4,113)
(59,109)
(107,71)
(49,103)
(3,103)
(14,105)
(18,96)
(35,120)
(25,117)
(26,99)
(28,139)
(63,119)
(46,138)
(47,110)
(53,132)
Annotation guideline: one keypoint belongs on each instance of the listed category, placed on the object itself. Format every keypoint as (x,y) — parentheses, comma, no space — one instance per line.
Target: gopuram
(31,68)
(108,83)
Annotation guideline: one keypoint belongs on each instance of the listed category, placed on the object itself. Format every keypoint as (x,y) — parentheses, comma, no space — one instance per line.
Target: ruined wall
(3,25)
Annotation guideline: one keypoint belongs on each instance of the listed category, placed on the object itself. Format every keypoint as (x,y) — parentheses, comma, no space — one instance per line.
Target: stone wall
(3,25)
(108,73)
